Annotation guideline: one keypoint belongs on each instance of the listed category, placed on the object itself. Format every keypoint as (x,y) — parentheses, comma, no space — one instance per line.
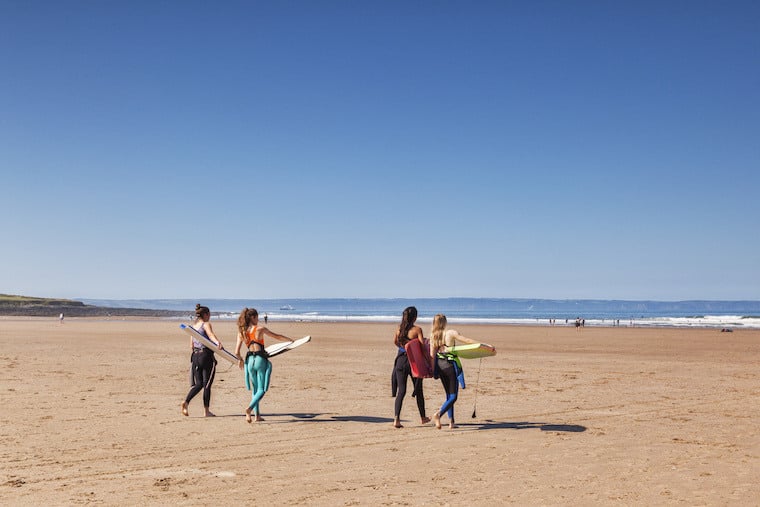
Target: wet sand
(627,416)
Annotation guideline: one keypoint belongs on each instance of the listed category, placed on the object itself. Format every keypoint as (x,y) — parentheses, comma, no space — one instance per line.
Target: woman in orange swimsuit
(256,365)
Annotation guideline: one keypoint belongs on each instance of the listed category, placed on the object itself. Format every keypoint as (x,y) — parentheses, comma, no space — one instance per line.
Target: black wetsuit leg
(203,370)
(394,379)
(448,375)
(419,395)
(402,371)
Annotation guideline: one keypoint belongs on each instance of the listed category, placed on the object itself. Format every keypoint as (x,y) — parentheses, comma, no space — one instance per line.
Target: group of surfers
(256,365)
(258,369)
(441,361)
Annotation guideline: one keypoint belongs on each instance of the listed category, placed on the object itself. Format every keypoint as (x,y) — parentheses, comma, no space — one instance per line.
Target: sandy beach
(603,416)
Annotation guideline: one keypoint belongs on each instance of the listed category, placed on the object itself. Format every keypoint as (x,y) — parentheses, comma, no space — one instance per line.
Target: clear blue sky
(189,149)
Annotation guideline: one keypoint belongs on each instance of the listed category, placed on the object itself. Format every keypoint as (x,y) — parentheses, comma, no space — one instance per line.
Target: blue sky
(380,149)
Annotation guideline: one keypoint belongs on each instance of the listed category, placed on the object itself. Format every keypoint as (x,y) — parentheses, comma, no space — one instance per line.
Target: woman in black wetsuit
(203,363)
(406,332)
(446,364)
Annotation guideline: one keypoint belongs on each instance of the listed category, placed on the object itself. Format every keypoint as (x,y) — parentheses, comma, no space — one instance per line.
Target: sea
(726,315)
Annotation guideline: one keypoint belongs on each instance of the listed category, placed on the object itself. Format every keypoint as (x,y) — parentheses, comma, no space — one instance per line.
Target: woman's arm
(211,335)
(239,344)
(280,337)
(433,352)
(454,334)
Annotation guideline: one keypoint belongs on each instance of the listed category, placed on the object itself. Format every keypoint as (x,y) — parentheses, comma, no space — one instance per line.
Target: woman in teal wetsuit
(256,365)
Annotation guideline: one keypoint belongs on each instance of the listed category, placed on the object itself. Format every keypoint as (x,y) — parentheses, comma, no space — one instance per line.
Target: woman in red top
(256,365)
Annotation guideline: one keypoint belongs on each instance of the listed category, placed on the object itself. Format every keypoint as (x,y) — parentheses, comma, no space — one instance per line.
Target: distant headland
(25,306)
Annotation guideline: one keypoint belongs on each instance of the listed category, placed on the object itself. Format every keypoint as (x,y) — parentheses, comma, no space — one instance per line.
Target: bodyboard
(418,358)
(279,348)
(473,350)
(229,356)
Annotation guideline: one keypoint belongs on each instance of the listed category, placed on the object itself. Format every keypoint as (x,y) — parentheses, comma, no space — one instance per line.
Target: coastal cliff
(11,305)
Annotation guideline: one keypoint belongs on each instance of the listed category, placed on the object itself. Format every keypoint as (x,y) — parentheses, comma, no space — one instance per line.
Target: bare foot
(437,420)
(183,407)
(209,414)
(424,420)
(453,426)
(397,424)
(259,418)
(248,415)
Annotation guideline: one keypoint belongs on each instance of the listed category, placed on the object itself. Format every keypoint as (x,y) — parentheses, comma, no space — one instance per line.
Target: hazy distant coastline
(24,306)
(468,310)
(711,314)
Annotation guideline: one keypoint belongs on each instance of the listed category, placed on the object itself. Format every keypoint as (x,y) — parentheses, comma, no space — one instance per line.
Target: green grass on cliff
(9,299)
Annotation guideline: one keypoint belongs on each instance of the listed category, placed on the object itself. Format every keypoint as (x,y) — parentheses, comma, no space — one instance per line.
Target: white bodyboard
(229,356)
(281,347)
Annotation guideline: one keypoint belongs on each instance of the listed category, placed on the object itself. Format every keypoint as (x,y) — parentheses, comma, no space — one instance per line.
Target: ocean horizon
(516,311)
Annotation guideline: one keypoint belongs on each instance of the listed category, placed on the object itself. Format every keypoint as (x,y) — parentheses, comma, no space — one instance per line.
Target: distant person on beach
(406,332)
(266,319)
(60,318)
(256,365)
(446,365)
(202,361)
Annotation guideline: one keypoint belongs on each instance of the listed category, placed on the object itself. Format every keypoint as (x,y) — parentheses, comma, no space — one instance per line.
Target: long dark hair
(408,318)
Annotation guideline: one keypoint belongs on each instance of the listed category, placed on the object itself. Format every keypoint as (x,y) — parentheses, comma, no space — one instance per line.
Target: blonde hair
(436,332)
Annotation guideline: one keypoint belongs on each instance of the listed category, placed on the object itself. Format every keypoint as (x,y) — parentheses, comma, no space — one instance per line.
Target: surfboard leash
(477,382)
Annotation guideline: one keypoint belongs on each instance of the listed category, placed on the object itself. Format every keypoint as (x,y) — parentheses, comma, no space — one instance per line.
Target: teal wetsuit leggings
(258,370)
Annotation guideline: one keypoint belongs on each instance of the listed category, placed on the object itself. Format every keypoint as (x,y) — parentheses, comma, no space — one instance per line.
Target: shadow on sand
(489,424)
(296,415)
(313,417)
(362,418)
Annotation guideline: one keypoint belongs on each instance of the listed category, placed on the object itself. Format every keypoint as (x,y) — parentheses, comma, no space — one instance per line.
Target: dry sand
(604,416)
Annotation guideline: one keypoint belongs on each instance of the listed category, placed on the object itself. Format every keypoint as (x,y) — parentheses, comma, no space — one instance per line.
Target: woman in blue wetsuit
(406,332)
(446,365)
(202,361)
(256,365)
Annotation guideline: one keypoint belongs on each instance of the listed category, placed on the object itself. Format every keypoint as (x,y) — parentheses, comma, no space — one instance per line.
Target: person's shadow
(298,415)
(362,419)
(489,424)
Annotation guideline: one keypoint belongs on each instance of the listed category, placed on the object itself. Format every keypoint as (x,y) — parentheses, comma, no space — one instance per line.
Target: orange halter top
(250,337)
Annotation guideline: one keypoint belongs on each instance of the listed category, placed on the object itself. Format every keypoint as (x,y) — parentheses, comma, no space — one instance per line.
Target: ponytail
(244,320)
